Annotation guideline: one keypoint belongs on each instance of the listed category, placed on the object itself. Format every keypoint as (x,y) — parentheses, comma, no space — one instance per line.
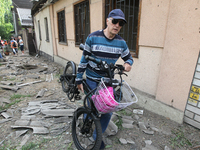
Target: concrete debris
(142,125)
(21,132)
(6,115)
(167,148)
(58,112)
(4,120)
(148,132)
(24,141)
(122,141)
(130,141)
(13,88)
(41,93)
(149,147)
(127,126)
(32,76)
(149,142)
(138,111)
(112,129)
(7,83)
(30,83)
(36,130)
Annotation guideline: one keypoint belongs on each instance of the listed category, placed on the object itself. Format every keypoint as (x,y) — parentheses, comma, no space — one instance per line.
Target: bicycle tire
(83,141)
(68,78)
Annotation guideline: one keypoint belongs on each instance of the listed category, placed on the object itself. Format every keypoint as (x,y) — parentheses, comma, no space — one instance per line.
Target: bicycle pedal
(77,97)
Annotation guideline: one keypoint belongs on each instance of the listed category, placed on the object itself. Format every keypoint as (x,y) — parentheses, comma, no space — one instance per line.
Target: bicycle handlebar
(97,61)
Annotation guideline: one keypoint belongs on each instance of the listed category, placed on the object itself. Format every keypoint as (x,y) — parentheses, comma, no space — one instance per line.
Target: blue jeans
(105,118)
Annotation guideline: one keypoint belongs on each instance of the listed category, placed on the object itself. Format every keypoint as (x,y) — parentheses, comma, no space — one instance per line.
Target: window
(46,28)
(39,30)
(82,21)
(130,31)
(61,26)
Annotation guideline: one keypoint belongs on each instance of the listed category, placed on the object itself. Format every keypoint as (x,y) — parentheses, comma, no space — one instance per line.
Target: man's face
(113,28)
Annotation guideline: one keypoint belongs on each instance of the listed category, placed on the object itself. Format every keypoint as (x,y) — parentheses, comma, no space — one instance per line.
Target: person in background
(2,44)
(108,46)
(14,46)
(21,44)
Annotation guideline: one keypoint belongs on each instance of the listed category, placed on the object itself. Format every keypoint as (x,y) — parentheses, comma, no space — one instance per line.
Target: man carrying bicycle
(108,46)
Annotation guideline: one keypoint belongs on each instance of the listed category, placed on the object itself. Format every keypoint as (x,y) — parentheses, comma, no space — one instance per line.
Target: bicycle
(109,96)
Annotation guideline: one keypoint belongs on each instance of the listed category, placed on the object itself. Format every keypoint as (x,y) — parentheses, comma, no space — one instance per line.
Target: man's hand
(127,67)
(80,87)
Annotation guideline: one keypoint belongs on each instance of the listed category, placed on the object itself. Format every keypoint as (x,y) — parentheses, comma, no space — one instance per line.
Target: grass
(179,140)
(119,122)
(32,145)
(18,96)
(15,99)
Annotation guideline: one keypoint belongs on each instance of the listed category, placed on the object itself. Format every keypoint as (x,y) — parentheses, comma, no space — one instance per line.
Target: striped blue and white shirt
(99,46)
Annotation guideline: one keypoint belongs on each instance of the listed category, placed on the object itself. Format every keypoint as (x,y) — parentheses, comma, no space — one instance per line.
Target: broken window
(62,27)
(82,21)
(131,11)
(46,28)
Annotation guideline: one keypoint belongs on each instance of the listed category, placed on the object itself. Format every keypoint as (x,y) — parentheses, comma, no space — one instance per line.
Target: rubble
(48,113)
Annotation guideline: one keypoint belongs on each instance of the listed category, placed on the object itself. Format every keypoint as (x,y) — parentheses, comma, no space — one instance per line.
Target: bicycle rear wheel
(68,78)
(84,125)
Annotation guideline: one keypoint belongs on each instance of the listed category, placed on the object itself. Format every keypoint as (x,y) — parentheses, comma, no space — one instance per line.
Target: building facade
(162,37)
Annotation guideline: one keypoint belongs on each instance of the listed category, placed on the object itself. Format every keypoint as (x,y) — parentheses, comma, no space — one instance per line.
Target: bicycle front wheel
(84,126)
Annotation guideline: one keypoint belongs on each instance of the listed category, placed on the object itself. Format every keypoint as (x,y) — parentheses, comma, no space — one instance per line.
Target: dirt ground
(149,131)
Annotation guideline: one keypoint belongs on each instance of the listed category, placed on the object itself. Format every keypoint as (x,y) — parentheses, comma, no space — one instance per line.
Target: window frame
(136,52)
(84,34)
(64,29)
(46,28)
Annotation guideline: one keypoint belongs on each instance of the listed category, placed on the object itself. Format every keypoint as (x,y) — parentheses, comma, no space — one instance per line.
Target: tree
(6,21)
(5,6)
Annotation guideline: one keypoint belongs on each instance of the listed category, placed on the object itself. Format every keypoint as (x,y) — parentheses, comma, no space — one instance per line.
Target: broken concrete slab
(24,140)
(6,115)
(13,88)
(42,102)
(112,129)
(7,83)
(32,76)
(58,112)
(122,141)
(138,111)
(130,141)
(4,120)
(41,93)
(127,121)
(142,125)
(37,123)
(28,117)
(127,126)
(20,85)
(21,132)
(26,66)
(31,110)
(22,123)
(148,132)
(149,147)
(36,130)
(61,120)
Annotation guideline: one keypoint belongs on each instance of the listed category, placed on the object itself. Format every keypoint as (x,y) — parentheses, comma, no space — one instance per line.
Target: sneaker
(102,145)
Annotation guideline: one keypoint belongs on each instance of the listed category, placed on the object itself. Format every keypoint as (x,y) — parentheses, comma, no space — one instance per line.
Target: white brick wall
(197,118)
(189,114)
